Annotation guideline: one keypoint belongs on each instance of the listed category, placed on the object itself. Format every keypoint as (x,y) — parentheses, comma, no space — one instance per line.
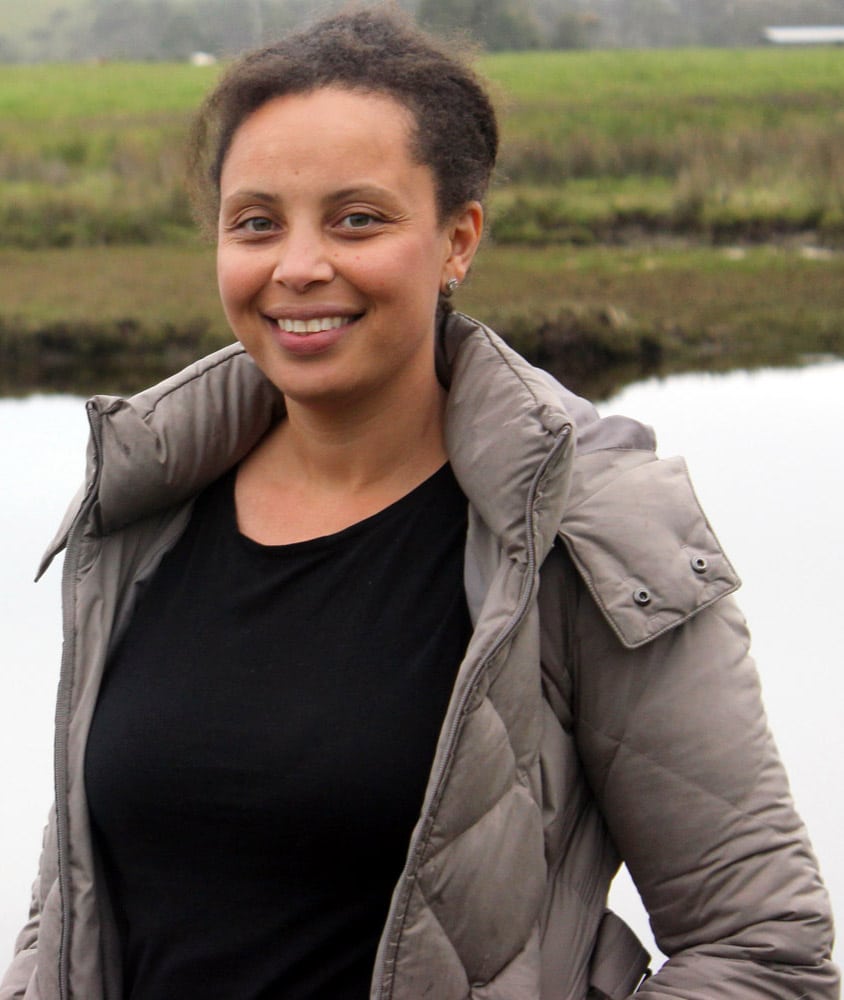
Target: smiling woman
(324,214)
(382,650)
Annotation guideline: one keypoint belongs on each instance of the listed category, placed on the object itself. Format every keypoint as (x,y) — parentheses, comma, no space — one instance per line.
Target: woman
(382,649)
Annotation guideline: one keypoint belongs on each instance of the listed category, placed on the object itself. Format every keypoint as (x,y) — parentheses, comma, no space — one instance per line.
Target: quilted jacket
(606,708)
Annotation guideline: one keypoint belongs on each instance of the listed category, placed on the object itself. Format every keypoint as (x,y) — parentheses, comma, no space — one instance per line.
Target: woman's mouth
(312,336)
(305,326)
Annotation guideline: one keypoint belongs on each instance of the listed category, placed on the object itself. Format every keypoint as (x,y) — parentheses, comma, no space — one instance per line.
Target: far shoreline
(113,319)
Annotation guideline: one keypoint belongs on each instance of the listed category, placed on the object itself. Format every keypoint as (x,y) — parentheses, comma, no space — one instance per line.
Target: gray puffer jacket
(606,708)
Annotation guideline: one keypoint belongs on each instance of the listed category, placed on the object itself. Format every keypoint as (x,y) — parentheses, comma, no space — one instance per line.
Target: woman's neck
(354,447)
(322,469)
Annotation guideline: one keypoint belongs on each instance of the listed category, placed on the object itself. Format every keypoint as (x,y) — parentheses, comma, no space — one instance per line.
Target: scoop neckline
(335,537)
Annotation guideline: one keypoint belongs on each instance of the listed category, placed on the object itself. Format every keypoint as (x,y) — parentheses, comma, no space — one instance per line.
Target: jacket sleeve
(675,745)
(21,972)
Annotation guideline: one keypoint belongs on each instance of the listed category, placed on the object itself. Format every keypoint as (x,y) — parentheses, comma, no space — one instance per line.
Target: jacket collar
(508,435)
(505,430)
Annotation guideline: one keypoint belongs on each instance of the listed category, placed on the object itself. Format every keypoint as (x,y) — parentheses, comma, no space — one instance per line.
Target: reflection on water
(43,445)
(766,457)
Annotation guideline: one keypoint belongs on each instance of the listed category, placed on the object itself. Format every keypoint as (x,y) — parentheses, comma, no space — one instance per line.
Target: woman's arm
(675,745)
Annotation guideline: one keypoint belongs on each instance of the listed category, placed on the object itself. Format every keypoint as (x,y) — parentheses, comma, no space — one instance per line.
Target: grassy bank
(722,145)
(114,319)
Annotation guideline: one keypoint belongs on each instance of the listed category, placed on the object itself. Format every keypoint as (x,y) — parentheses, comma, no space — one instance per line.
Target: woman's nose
(303,260)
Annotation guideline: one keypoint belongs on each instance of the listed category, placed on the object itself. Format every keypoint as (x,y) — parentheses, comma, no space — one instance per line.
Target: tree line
(173,29)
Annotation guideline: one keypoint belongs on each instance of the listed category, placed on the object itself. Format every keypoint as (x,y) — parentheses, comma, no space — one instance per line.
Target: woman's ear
(464,232)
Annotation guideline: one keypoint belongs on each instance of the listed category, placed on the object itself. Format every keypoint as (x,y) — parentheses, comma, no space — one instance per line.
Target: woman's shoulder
(640,540)
(636,531)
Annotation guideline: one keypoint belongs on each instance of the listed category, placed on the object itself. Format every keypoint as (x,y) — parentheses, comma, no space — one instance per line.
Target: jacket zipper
(451,736)
(63,706)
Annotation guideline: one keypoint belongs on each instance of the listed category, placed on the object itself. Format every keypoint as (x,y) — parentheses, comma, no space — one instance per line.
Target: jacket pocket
(619,963)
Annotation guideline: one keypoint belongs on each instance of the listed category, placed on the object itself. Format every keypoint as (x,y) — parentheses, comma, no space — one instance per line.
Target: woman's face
(330,253)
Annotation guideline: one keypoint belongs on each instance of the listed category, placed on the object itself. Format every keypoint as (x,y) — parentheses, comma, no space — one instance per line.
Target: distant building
(809,35)
(202,59)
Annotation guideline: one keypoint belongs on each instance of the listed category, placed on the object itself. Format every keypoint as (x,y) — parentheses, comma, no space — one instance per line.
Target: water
(767,460)
(43,449)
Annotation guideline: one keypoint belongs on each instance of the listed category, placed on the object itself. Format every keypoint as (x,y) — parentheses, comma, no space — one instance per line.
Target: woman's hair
(372,50)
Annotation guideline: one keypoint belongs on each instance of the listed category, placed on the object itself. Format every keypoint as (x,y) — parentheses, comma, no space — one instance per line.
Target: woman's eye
(357,220)
(257,224)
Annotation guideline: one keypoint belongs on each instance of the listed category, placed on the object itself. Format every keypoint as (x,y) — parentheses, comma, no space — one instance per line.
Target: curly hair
(373,50)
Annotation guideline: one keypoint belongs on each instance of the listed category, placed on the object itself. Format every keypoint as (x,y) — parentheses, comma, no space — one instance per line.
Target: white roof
(809,35)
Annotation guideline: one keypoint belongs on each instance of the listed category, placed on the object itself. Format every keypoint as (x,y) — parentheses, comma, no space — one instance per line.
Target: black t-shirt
(261,745)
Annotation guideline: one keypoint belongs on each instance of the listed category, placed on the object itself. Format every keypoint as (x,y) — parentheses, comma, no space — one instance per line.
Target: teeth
(312,325)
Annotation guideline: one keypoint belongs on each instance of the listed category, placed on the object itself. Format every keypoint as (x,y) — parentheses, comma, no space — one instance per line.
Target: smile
(318,325)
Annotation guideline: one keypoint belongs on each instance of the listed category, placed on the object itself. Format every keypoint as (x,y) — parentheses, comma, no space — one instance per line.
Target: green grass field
(595,88)
(114,96)
(717,144)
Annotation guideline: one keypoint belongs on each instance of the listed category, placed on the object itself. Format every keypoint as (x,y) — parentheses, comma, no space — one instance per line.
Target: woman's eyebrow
(248,194)
(373,191)
(365,191)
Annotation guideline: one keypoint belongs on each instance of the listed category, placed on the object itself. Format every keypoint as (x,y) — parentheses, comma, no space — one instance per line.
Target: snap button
(642,597)
(699,564)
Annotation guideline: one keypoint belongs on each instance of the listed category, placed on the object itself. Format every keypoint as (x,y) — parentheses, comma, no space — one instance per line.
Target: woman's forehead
(329,129)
